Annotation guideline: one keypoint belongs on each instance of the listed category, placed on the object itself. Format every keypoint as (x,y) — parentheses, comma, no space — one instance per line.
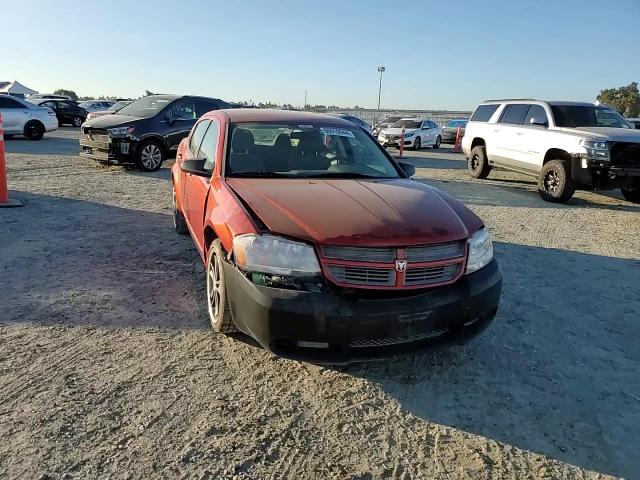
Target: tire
(632,196)
(150,156)
(555,183)
(417,143)
(34,130)
(77,121)
(438,142)
(477,163)
(179,223)
(217,302)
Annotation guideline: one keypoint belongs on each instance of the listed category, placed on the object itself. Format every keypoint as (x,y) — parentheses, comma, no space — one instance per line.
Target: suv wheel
(34,130)
(631,195)
(77,121)
(217,303)
(477,164)
(417,143)
(555,183)
(438,142)
(179,223)
(150,156)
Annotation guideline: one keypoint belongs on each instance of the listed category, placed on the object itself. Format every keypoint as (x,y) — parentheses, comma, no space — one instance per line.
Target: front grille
(363,275)
(430,253)
(385,342)
(625,154)
(429,275)
(361,254)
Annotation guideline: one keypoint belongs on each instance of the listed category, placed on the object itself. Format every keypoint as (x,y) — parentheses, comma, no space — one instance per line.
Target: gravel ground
(108,368)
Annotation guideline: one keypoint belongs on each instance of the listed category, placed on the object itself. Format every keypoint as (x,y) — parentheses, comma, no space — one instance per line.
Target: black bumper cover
(361,329)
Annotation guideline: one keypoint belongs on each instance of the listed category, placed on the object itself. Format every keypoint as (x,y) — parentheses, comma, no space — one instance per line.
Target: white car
(418,132)
(96,105)
(20,117)
(565,145)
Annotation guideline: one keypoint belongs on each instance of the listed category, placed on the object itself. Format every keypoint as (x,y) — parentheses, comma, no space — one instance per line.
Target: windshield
(456,123)
(145,107)
(407,124)
(305,151)
(573,116)
(118,105)
(391,120)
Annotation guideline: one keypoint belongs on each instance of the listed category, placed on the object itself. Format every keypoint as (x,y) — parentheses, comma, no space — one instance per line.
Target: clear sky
(438,54)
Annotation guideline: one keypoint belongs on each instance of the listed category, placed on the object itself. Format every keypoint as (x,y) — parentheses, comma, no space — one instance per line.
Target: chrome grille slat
(427,275)
(429,253)
(360,254)
(362,275)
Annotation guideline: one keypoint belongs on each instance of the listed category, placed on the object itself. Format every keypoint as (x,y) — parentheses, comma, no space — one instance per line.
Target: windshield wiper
(342,175)
(258,174)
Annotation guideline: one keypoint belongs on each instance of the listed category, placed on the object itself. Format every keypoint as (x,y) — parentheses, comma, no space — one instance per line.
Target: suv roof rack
(510,100)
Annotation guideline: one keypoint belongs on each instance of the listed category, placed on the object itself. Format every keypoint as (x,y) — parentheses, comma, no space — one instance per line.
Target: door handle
(496,129)
(519,133)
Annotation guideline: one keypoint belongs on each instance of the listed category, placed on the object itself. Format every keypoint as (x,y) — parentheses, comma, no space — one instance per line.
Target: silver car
(20,117)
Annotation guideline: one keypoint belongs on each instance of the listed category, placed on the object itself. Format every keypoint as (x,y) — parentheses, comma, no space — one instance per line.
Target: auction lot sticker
(339,132)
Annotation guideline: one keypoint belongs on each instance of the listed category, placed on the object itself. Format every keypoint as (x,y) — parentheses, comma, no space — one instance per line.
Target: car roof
(242,115)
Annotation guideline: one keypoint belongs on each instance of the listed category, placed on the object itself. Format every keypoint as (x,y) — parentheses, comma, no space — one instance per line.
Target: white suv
(566,145)
(20,117)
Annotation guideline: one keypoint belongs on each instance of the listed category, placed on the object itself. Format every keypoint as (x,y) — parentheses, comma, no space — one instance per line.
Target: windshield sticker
(338,132)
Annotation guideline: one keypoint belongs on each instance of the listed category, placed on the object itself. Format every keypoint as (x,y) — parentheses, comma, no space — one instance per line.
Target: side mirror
(407,168)
(195,167)
(538,122)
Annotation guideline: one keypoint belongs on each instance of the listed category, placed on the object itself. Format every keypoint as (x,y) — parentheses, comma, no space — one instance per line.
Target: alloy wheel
(214,287)
(77,121)
(551,181)
(151,156)
(475,162)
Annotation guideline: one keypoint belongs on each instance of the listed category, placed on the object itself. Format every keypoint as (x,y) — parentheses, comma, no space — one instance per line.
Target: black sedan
(67,112)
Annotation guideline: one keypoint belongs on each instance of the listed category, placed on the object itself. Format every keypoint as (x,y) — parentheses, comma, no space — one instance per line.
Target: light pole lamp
(381,69)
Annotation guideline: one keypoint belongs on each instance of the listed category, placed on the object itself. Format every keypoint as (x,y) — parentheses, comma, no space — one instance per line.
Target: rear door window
(6,102)
(204,106)
(484,113)
(183,110)
(514,114)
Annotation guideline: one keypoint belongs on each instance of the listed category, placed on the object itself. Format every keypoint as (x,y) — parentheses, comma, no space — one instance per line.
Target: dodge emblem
(401,265)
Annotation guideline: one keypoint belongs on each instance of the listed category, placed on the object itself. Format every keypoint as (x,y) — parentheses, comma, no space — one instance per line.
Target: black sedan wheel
(77,121)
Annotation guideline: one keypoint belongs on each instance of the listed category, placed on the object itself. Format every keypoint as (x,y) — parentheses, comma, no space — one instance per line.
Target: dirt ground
(108,369)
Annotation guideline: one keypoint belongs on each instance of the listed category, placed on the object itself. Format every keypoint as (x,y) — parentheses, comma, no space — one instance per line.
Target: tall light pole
(381,69)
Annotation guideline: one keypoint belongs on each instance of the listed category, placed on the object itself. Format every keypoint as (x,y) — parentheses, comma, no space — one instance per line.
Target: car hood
(398,131)
(606,133)
(109,121)
(357,212)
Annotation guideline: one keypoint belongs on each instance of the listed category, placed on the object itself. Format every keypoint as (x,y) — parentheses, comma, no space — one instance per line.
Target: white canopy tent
(16,89)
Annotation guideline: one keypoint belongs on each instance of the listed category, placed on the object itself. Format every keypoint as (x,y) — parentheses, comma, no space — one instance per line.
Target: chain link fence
(373,117)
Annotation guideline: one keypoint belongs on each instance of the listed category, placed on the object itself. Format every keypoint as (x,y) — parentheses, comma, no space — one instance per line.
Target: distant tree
(148,92)
(69,93)
(626,100)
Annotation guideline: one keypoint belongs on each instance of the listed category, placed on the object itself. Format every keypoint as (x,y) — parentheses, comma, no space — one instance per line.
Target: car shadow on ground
(85,263)
(48,145)
(556,373)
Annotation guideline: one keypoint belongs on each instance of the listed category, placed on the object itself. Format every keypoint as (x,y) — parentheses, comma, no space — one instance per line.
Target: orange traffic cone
(457,147)
(4,190)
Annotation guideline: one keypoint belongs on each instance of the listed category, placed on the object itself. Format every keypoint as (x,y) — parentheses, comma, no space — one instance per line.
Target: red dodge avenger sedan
(319,245)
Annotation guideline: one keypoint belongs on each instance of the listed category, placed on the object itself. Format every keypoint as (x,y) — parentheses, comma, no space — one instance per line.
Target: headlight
(480,251)
(595,150)
(277,255)
(120,131)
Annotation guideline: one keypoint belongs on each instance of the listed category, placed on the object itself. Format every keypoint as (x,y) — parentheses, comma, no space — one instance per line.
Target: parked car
(20,117)
(635,122)
(67,112)
(566,145)
(450,130)
(145,132)
(386,123)
(318,244)
(40,96)
(111,110)
(418,132)
(96,105)
(350,118)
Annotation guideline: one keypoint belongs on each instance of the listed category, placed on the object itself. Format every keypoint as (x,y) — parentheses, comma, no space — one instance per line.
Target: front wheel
(150,156)
(555,183)
(477,164)
(438,142)
(77,121)
(417,143)
(217,303)
(631,195)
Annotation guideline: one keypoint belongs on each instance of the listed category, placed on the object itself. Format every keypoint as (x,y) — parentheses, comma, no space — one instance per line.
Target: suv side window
(197,136)
(484,113)
(204,106)
(514,113)
(537,112)
(183,110)
(6,102)
(209,146)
